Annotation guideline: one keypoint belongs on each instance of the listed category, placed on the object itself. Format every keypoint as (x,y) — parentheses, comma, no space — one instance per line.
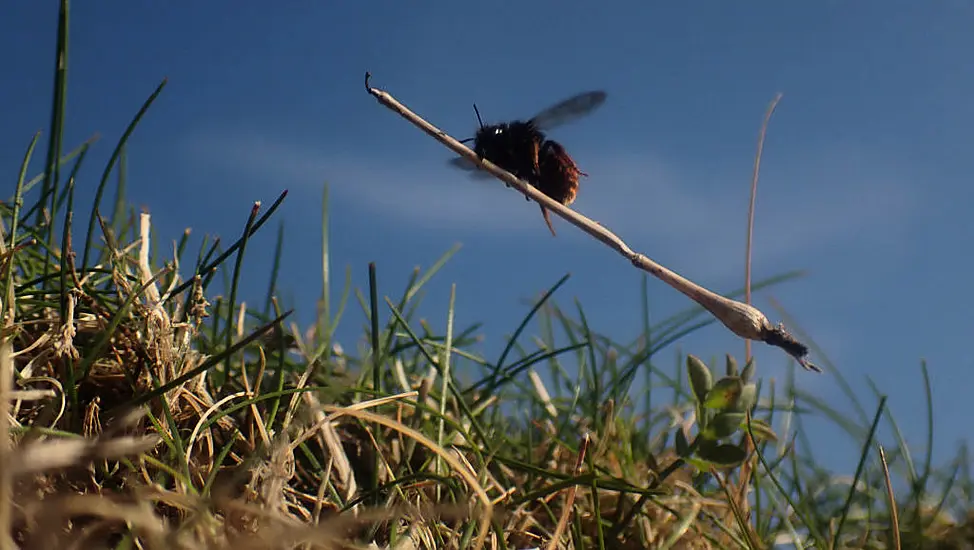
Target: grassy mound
(147,406)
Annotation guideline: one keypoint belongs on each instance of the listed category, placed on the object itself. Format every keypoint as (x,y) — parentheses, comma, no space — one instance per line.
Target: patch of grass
(146,405)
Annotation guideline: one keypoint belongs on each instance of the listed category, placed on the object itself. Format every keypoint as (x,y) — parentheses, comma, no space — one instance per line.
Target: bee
(523,149)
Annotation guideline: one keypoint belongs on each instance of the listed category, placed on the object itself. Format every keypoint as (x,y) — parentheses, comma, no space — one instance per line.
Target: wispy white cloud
(847,196)
(816,199)
(419,194)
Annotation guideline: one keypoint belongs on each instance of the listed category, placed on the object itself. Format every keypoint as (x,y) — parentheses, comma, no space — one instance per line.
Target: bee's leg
(547,220)
(535,151)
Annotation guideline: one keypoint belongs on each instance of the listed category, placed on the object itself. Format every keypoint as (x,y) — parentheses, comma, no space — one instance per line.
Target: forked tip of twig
(781,338)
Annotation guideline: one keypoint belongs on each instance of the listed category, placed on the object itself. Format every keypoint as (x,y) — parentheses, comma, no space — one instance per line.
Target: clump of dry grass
(169,438)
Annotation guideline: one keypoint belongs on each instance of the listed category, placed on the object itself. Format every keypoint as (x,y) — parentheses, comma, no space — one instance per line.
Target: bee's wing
(463,163)
(569,109)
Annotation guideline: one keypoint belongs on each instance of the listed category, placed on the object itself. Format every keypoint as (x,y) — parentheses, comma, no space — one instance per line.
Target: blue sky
(866,178)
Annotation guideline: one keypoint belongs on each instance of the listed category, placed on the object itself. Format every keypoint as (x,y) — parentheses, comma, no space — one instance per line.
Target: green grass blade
(15,217)
(58,107)
(527,319)
(118,212)
(275,268)
(860,467)
(111,164)
(208,266)
(376,368)
(323,330)
(237,270)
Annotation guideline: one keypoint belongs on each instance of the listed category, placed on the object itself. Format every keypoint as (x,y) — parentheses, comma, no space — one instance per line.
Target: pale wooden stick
(742,319)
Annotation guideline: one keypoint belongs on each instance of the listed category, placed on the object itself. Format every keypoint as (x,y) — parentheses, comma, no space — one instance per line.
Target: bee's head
(490,138)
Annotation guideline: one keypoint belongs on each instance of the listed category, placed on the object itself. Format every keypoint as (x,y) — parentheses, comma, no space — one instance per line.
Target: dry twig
(570,495)
(894,517)
(744,478)
(742,319)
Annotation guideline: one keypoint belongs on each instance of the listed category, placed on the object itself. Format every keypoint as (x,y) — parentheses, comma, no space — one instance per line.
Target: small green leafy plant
(721,412)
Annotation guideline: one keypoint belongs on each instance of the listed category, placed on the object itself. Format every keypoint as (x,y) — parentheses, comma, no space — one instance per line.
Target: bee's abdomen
(558,173)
